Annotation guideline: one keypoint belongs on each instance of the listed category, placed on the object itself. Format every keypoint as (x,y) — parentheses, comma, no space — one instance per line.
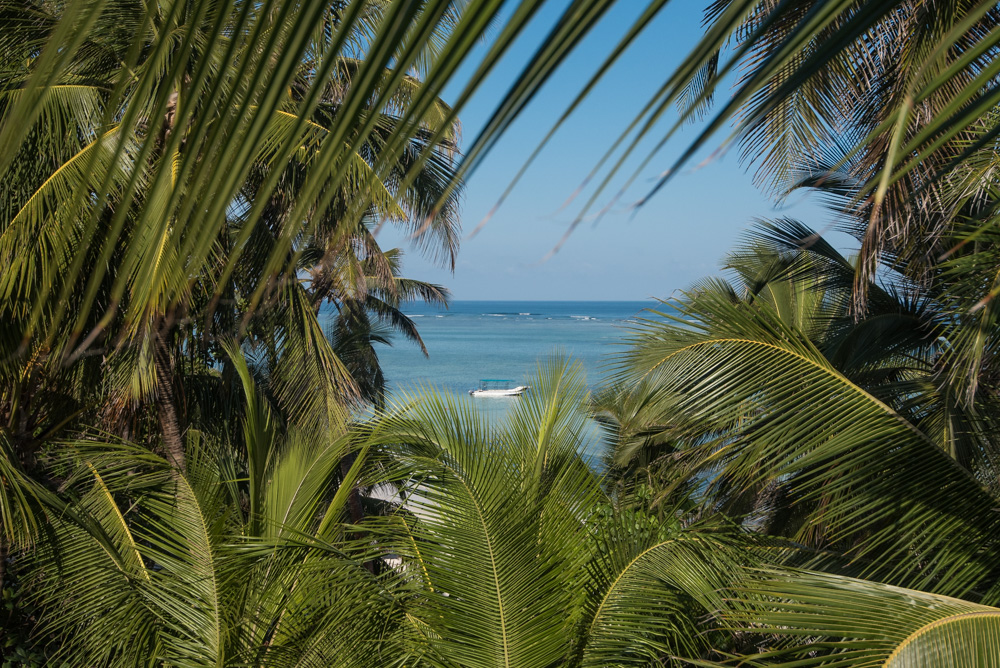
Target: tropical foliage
(830,620)
(801,461)
(845,404)
(120,157)
(890,103)
(242,560)
(156,220)
(494,546)
(845,433)
(514,554)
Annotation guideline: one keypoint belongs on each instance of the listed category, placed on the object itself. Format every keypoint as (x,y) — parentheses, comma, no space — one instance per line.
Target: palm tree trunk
(353,498)
(166,402)
(354,502)
(3,560)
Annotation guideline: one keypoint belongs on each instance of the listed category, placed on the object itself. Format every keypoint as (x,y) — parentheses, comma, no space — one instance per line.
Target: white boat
(491,387)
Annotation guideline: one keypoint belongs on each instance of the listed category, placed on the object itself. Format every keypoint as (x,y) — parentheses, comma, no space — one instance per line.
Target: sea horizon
(544,301)
(476,339)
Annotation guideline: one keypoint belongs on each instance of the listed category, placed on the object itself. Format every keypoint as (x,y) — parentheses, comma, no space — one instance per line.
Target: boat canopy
(495,383)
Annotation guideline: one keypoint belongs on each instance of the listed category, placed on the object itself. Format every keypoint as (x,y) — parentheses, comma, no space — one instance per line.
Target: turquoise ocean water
(490,339)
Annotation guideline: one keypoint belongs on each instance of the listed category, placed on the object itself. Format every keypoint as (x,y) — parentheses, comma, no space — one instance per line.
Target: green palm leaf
(493,602)
(831,620)
(514,554)
(787,412)
(644,588)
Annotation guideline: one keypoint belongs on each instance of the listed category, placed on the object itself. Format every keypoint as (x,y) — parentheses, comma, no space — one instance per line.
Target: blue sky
(676,238)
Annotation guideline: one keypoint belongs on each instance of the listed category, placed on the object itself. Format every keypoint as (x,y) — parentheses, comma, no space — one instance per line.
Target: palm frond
(812,619)
(789,414)
(491,601)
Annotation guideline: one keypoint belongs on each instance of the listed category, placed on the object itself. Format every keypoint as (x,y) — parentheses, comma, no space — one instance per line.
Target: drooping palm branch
(776,388)
(814,619)
(515,555)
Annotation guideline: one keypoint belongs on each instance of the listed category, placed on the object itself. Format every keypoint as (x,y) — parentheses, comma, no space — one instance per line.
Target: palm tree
(242,560)
(121,190)
(504,551)
(514,555)
(158,199)
(178,173)
(845,432)
(367,292)
(896,97)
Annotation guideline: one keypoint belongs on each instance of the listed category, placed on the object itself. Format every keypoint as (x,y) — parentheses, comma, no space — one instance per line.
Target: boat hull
(512,392)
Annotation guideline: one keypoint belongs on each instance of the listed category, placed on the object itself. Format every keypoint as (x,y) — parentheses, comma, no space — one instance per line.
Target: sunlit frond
(813,619)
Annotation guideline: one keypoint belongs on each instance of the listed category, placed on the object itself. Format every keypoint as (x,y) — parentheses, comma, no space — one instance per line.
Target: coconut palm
(846,432)
(242,560)
(131,244)
(204,128)
(515,556)
(177,173)
(902,94)
(806,63)
(774,387)
(503,551)
(168,171)
(168,168)
(153,304)
(368,312)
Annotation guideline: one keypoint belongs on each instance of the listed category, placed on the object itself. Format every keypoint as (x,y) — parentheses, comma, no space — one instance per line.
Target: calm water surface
(476,339)
(473,340)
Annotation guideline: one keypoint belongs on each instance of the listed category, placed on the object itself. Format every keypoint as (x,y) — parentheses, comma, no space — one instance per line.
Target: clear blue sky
(675,239)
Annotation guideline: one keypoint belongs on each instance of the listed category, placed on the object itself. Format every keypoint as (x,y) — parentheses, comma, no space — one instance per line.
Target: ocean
(472,340)
(490,339)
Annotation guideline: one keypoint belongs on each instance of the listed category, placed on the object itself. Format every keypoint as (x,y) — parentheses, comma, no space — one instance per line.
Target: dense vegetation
(196,469)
